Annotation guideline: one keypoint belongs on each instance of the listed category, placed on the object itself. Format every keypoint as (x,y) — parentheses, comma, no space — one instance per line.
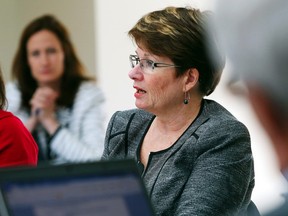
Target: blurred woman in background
(54,97)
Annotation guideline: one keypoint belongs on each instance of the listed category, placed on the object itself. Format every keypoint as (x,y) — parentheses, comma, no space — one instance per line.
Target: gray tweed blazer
(208,171)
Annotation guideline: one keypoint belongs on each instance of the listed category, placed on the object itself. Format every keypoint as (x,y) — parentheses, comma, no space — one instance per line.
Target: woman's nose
(44,59)
(135,73)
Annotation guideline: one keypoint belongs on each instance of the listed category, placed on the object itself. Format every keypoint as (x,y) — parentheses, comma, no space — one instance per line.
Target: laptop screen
(101,188)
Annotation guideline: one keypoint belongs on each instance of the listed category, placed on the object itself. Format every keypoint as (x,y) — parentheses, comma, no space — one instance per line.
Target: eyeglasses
(147,65)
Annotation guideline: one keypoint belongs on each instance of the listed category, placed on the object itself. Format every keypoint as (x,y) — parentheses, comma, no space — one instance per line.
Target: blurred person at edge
(50,92)
(254,35)
(194,156)
(17,146)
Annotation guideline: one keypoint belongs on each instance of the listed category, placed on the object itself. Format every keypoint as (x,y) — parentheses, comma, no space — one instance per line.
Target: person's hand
(43,106)
(31,122)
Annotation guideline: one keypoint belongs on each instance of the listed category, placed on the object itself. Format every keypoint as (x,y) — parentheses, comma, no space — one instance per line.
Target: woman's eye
(149,63)
(51,50)
(35,53)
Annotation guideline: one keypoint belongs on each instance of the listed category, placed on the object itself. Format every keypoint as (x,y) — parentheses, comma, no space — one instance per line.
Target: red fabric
(17,146)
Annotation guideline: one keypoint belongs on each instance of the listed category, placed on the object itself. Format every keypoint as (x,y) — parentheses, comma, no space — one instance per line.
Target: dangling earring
(186,97)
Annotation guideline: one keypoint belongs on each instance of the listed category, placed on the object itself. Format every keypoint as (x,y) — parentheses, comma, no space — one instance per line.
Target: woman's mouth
(140,91)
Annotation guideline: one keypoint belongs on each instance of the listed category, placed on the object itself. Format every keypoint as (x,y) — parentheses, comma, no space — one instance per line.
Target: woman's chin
(140,105)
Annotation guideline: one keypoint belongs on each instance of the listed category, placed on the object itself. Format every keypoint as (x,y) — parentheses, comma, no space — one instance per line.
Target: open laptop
(104,188)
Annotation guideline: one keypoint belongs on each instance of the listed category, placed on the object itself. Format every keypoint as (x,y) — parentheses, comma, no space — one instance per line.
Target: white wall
(113,20)
(8,35)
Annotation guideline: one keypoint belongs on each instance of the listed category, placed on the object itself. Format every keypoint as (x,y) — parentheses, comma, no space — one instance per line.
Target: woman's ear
(191,78)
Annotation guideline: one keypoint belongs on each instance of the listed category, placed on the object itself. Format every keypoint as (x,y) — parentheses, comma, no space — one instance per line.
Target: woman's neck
(180,120)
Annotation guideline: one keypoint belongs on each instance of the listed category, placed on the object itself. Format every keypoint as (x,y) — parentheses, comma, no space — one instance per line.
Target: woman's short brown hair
(181,34)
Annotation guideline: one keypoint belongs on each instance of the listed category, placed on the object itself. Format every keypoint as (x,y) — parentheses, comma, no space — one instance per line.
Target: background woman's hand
(43,106)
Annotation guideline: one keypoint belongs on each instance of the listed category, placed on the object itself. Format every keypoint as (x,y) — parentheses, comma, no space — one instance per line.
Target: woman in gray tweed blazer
(195,157)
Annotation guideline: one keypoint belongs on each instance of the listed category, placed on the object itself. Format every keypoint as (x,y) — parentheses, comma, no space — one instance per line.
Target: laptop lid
(103,188)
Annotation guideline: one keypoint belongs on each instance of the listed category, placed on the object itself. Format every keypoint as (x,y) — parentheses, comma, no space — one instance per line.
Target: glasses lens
(147,65)
(134,60)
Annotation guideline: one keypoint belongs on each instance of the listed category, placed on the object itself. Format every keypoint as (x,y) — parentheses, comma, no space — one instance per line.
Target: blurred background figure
(17,146)
(254,35)
(53,95)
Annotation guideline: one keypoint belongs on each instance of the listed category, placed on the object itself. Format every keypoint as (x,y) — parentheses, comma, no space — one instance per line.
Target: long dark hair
(74,71)
(3,100)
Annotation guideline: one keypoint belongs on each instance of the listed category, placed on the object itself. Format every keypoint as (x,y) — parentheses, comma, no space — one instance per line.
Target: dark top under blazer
(207,171)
